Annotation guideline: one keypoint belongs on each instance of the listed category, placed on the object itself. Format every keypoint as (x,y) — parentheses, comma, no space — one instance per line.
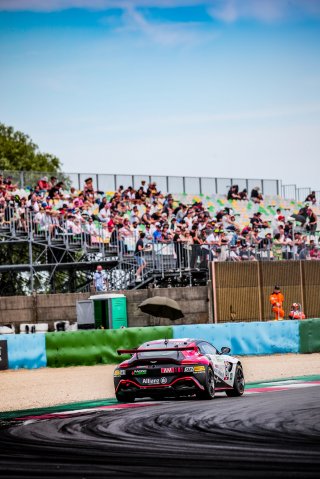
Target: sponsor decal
(119,372)
(199,369)
(139,372)
(188,369)
(171,370)
(228,367)
(218,372)
(154,380)
(167,370)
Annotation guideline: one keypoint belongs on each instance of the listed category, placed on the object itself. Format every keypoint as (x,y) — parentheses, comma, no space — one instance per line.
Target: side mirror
(225,350)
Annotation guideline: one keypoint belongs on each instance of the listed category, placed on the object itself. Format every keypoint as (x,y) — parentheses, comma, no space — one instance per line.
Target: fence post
(22,179)
(212,271)
(259,290)
(302,284)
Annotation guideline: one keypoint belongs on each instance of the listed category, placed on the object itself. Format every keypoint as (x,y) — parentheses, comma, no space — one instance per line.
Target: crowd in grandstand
(121,216)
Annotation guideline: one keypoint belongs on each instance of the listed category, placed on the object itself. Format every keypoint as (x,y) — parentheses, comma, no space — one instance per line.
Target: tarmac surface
(270,434)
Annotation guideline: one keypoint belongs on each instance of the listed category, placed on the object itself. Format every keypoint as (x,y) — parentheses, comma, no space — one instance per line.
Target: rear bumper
(178,386)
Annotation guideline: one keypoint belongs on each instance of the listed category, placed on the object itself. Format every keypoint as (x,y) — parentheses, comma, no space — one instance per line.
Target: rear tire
(239,383)
(209,389)
(123,396)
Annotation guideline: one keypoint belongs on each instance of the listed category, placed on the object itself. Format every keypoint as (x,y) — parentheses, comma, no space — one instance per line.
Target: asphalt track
(260,435)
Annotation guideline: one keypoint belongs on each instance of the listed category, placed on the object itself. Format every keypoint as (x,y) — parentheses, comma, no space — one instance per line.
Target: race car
(177,367)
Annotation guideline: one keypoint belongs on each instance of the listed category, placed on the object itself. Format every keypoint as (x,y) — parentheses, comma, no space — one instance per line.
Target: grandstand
(61,231)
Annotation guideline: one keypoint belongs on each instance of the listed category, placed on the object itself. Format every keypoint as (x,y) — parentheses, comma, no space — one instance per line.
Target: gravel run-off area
(24,389)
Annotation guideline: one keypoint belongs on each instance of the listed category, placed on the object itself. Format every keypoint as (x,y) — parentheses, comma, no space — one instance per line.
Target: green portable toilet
(110,311)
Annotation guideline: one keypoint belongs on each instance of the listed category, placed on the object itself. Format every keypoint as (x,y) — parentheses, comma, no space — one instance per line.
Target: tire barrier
(309,336)
(86,348)
(89,347)
(276,337)
(26,350)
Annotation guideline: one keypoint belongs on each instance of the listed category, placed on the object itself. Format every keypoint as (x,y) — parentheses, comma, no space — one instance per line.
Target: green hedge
(88,347)
(309,330)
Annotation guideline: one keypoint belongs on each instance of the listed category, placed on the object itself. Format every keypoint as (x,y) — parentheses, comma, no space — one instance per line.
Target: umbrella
(161,307)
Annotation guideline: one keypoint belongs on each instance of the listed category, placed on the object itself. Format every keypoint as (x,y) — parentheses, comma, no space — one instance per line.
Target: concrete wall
(193,302)
(48,308)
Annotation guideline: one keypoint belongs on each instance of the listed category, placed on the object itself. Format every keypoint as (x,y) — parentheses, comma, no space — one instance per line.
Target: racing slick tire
(209,387)
(238,385)
(123,396)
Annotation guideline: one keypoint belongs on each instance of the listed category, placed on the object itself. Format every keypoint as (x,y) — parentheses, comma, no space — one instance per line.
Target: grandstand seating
(162,259)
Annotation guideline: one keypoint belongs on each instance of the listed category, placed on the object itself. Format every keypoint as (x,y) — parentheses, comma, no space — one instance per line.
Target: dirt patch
(23,389)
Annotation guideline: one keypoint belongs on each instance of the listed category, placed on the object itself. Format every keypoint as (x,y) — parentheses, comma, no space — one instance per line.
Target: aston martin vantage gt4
(177,367)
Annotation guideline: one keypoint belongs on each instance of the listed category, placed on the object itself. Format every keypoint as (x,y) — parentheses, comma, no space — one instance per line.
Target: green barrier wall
(85,348)
(309,330)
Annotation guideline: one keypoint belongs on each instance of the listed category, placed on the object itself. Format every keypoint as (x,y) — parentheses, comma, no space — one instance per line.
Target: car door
(219,362)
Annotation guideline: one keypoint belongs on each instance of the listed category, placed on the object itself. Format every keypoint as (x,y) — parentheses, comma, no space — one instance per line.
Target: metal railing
(297,194)
(166,184)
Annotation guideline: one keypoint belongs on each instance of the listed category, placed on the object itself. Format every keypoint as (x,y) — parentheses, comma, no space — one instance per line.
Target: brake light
(190,353)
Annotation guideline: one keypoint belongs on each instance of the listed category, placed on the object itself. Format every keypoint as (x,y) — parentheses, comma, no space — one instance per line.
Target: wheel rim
(240,379)
(211,383)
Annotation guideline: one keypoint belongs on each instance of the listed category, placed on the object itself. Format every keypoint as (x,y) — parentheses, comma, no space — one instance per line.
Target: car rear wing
(155,350)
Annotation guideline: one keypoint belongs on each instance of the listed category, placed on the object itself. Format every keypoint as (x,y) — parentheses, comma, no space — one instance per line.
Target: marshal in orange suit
(276,300)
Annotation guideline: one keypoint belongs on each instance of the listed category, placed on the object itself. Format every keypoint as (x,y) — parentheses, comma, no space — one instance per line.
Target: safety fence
(91,347)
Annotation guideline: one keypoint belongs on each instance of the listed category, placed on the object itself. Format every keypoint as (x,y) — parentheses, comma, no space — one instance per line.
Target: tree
(18,152)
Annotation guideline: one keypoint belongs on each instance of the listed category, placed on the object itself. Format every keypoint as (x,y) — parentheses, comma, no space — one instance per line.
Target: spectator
(138,254)
(312,221)
(277,247)
(135,217)
(314,251)
(233,254)
(88,188)
(43,183)
(279,218)
(311,197)
(301,216)
(55,190)
(9,185)
(157,235)
(245,254)
(296,312)
(233,193)
(256,220)
(244,195)
(105,213)
(256,196)
(90,231)
(146,217)
(99,279)
(265,247)
(103,203)
(52,182)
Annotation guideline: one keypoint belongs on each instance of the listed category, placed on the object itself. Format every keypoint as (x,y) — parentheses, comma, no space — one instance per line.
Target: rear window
(161,354)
